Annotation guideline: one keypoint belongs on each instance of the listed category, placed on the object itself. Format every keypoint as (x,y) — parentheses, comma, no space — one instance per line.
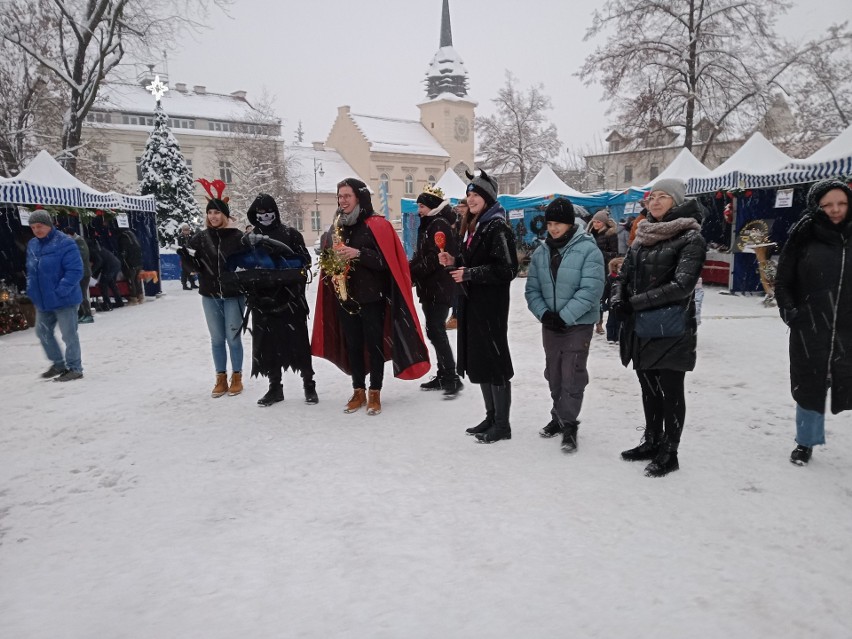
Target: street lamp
(317,170)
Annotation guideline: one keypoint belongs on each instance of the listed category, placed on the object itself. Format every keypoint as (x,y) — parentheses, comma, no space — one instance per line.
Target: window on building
(431,180)
(225,171)
(220,126)
(316,221)
(409,184)
(100,162)
(299,219)
(138,120)
(384,182)
(181,123)
(97,116)
(139,168)
(628,173)
(655,171)
(601,180)
(614,145)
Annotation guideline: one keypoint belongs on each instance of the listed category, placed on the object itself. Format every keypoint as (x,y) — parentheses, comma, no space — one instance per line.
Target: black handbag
(666,321)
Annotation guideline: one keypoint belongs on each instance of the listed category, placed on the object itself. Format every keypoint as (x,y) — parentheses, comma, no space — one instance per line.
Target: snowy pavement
(132,505)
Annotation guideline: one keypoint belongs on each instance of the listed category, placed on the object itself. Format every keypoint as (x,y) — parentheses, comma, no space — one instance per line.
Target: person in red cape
(374,319)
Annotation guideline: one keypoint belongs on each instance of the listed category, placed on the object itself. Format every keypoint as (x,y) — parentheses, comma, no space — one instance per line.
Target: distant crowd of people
(645,273)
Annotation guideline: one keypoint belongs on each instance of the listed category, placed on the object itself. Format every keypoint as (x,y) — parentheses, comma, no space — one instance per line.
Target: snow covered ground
(132,505)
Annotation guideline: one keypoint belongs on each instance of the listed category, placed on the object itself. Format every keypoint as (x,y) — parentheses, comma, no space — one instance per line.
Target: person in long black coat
(486,268)
(130,252)
(661,270)
(435,287)
(813,288)
(280,315)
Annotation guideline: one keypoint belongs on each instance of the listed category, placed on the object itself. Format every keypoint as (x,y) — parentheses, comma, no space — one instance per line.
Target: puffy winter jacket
(576,292)
(662,273)
(54,271)
(815,278)
(434,283)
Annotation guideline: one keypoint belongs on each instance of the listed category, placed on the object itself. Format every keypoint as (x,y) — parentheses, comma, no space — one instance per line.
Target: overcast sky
(314,56)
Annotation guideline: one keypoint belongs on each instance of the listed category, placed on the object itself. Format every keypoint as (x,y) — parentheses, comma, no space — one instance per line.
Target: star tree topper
(157,88)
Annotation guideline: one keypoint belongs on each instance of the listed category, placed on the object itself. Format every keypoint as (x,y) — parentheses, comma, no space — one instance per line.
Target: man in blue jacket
(54,271)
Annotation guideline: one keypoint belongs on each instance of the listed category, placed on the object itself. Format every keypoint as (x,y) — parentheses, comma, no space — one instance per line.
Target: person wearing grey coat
(563,291)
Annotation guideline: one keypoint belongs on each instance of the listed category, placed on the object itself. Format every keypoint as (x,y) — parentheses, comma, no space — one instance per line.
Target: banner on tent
(784,198)
(516,214)
(122,221)
(24,215)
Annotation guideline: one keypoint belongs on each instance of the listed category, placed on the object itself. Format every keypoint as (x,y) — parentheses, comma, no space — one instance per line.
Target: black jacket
(663,273)
(491,263)
(809,280)
(607,240)
(369,278)
(433,281)
(129,250)
(212,249)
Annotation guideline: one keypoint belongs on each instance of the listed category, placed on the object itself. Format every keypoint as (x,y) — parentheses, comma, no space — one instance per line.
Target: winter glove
(252,239)
(552,321)
(623,307)
(791,316)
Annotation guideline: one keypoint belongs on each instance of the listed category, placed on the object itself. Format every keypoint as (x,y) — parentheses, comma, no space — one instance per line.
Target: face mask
(266,218)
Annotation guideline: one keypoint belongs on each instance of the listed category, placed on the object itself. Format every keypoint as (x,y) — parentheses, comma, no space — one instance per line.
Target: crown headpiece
(431,189)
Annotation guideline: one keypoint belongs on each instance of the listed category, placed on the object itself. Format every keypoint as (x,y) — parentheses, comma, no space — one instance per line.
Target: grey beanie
(40,217)
(484,185)
(675,188)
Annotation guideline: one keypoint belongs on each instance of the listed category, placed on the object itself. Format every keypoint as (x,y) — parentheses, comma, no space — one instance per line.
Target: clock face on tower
(462,128)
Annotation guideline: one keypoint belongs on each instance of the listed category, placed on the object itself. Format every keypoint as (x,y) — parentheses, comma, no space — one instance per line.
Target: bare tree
(255,155)
(673,63)
(518,137)
(89,38)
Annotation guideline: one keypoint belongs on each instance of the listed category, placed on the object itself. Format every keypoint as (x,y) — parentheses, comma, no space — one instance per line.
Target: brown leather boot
(221,386)
(374,402)
(358,399)
(236,386)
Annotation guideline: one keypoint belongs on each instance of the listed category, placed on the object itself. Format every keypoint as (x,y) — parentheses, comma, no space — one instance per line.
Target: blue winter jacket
(576,292)
(54,271)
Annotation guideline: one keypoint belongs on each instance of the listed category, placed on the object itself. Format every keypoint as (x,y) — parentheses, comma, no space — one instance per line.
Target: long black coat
(212,248)
(433,281)
(815,278)
(491,264)
(662,274)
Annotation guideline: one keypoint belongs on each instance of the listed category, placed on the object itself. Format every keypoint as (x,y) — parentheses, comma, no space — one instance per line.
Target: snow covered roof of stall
(392,135)
(757,155)
(547,183)
(334,169)
(839,148)
(683,167)
(452,185)
(134,98)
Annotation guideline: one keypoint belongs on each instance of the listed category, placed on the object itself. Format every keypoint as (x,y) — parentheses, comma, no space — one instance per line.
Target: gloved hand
(623,307)
(252,239)
(552,321)
(791,316)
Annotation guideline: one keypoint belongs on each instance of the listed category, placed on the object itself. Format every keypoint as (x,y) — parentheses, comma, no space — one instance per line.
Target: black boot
(647,448)
(664,463)
(311,392)
(569,437)
(273,395)
(436,383)
(501,428)
(452,386)
(488,422)
(551,430)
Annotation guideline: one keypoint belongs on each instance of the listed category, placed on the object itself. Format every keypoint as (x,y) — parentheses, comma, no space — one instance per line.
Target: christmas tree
(166,176)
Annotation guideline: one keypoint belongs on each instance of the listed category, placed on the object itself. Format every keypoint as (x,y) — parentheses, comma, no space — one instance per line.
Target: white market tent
(683,167)
(452,185)
(548,183)
(840,148)
(758,156)
(45,182)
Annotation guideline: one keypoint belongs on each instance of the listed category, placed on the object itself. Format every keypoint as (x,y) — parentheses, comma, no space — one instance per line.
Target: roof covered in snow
(134,98)
(446,73)
(683,167)
(757,155)
(391,135)
(547,183)
(331,169)
(839,148)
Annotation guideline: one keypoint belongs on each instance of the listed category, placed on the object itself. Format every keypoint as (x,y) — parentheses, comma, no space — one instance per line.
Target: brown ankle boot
(374,402)
(236,386)
(221,386)
(358,399)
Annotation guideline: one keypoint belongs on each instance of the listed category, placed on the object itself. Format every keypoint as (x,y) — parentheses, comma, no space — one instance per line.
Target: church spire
(446,73)
(446,28)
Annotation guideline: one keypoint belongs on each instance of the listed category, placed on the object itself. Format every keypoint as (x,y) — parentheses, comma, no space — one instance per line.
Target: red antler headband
(218,185)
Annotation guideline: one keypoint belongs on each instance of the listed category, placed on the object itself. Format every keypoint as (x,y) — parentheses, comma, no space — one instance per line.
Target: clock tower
(447,112)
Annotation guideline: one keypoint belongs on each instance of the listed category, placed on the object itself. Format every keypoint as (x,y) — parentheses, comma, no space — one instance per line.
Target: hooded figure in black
(279,309)
(813,288)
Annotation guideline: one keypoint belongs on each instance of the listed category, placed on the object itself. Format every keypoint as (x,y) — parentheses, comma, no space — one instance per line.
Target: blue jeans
(224,317)
(810,427)
(46,322)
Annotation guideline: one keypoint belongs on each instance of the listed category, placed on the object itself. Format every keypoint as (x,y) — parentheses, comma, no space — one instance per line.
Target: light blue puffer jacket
(576,292)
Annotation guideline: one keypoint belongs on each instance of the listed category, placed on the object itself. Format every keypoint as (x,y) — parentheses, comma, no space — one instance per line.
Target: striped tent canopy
(834,160)
(758,157)
(45,182)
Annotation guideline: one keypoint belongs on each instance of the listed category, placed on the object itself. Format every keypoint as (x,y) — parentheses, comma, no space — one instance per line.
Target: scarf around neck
(348,219)
(650,233)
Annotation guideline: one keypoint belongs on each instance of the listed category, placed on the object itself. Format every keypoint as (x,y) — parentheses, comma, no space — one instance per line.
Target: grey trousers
(566,355)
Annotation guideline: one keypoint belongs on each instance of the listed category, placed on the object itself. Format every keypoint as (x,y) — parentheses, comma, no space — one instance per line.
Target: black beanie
(819,189)
(430,200)
(219,205)
(263,202)
(559,210)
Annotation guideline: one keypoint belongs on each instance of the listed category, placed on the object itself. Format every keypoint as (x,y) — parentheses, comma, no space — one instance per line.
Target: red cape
(403,339)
